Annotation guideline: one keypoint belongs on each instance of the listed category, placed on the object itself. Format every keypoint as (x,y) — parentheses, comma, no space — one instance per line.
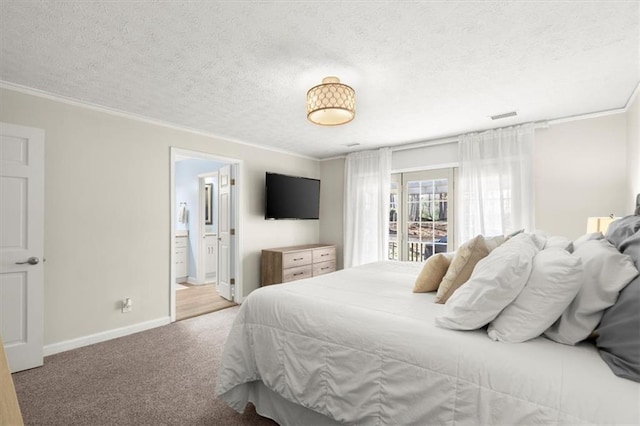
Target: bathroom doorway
(204,245)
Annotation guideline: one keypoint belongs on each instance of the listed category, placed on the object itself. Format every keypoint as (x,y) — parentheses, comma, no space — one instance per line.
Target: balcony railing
(417,252)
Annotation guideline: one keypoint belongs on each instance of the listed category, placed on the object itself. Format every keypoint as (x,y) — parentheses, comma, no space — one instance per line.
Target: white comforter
(359,347)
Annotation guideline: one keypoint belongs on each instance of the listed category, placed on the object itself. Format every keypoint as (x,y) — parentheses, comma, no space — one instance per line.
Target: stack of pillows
(529,284)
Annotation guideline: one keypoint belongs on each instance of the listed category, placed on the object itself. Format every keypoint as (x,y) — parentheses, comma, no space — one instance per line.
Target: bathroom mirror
(208,199)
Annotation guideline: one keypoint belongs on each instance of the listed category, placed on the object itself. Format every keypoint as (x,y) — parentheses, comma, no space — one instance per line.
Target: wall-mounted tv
(291,197)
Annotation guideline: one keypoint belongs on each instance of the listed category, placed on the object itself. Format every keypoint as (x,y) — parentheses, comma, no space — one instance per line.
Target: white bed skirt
(270,404)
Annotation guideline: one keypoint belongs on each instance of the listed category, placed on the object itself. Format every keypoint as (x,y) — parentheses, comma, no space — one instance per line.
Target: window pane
(413,211)
(426,213)
(393,251)
(413,232)
(394,200)
(417,251)
(427,225)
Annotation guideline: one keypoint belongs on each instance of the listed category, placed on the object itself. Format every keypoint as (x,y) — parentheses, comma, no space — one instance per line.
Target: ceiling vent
(505,115)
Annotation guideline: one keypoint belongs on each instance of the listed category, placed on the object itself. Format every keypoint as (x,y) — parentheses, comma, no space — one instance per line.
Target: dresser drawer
(293,274)
(284,264)
(296,258)
(181,242)
(324,268)
(324,254)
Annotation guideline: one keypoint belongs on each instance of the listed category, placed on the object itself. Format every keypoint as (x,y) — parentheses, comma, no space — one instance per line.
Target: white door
(21,244)
(223,283)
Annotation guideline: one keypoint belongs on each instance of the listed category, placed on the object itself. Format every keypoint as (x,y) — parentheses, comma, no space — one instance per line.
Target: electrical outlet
(127,305)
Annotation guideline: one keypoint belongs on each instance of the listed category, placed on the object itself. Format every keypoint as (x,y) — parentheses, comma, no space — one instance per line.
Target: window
(420,209)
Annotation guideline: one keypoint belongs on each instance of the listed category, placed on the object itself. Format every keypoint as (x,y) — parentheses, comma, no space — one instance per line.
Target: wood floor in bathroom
(198,300)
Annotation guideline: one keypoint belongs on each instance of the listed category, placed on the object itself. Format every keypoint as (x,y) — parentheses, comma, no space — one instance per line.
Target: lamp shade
(599,224)
(331,103)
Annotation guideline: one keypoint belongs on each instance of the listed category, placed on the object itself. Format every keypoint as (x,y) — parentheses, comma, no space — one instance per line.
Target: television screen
(291,197)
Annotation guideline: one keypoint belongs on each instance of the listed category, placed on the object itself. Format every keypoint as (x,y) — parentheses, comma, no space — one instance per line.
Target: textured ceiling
(240,70)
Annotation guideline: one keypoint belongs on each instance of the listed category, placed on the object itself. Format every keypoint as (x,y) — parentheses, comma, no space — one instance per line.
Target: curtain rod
(454,139)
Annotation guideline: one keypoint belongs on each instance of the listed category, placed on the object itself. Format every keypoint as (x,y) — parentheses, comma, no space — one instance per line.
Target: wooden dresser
(284,264)
(9,408)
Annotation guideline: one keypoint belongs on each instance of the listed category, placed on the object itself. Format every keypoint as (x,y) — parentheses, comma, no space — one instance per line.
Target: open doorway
(205,221)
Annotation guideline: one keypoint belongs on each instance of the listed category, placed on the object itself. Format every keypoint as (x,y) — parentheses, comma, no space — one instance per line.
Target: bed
(359,347)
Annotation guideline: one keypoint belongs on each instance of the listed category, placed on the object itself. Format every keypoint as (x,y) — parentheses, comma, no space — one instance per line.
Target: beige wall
(332,205)
(580,171)
(107,212)
(426,157)
(633,153)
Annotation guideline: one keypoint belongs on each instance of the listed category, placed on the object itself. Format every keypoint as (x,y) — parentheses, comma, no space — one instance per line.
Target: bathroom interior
(196,237)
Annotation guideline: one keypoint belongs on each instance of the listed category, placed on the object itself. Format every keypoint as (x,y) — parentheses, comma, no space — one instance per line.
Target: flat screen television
(291,197)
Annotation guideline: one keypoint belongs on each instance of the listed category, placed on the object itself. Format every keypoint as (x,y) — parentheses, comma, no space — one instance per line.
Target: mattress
(358,347)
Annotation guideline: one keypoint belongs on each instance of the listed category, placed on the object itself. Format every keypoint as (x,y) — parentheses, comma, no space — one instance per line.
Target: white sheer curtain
(495,183)
(366,207)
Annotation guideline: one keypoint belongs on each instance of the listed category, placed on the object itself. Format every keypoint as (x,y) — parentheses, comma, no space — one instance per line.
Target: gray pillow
(618,335)
(621,229)
(631,247)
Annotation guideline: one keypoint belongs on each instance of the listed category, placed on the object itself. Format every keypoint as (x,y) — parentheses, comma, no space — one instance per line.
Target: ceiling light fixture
(331,103)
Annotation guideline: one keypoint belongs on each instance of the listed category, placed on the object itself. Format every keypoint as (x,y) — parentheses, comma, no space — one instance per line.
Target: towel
(182,215)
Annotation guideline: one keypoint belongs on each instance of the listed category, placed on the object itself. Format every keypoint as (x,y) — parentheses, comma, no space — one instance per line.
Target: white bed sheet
(359,347)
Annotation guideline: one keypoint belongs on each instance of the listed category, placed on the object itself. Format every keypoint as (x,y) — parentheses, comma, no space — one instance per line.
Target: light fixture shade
(331,103)
(599,224)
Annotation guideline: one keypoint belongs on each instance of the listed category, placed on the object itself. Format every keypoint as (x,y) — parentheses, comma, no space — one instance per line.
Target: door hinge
(232,281)
(233,182)
(232,231)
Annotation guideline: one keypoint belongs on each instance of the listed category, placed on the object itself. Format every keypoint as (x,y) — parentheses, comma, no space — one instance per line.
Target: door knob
(30,261)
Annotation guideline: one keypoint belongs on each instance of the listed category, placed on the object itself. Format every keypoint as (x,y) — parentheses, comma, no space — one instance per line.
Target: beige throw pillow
(461,266)
(432,272)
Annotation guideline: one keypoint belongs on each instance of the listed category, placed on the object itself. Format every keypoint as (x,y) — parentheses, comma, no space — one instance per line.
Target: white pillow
(556,241)
(539,238)
(587,237)
(542,240)
(496,280)
(554,282)
(607,271)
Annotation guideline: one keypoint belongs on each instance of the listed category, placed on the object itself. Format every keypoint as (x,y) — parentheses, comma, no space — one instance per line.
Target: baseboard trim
(103,336)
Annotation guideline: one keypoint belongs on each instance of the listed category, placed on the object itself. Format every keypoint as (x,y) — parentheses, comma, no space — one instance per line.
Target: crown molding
(113,111)
(412,145)
(633,97)
(587,116)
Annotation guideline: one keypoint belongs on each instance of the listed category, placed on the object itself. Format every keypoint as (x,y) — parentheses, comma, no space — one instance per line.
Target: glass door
(394,208)
(422,205)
